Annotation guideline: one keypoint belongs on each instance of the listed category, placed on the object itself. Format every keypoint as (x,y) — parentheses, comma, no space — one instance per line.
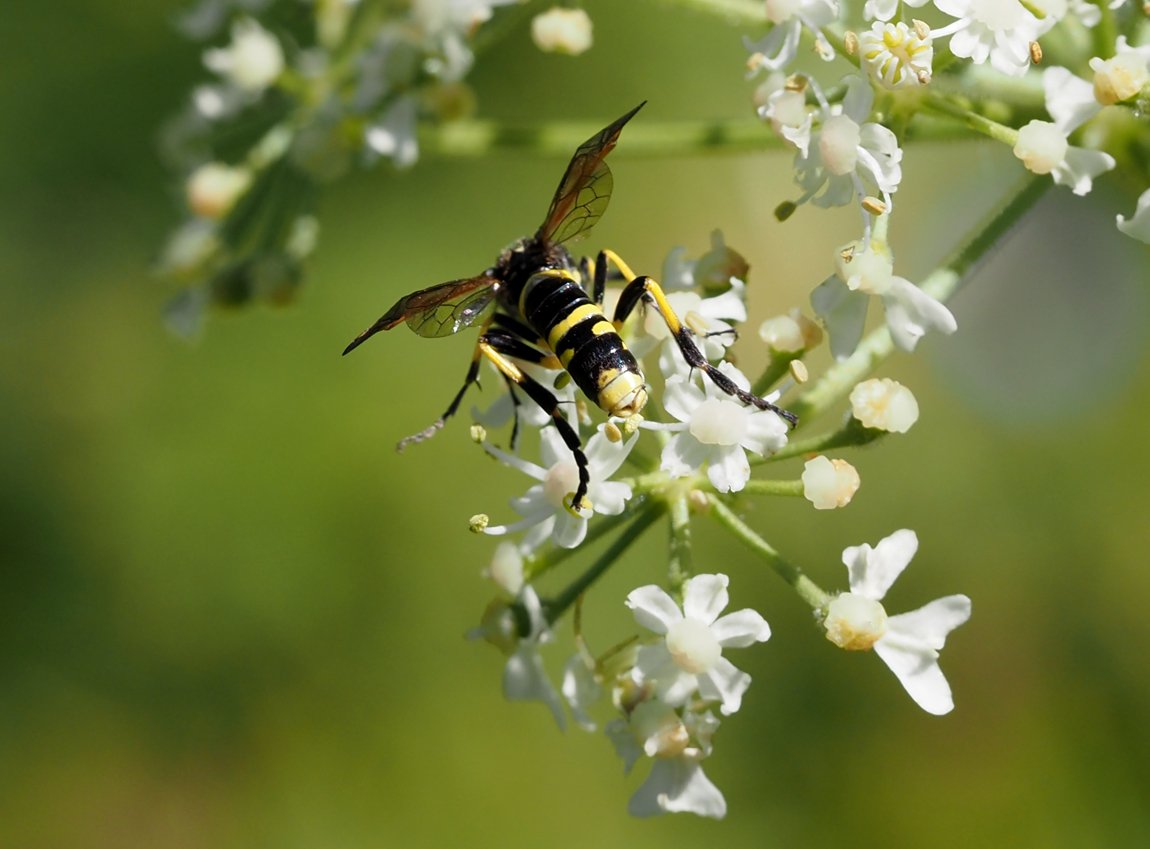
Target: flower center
(693,646)
(839,143)
(561,479)
(855,623)
(719,422)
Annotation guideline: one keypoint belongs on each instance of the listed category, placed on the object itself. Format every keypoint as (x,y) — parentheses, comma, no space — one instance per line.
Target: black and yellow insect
(535,307)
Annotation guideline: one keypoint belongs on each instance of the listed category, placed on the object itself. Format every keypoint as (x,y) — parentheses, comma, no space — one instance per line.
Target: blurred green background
(231,615)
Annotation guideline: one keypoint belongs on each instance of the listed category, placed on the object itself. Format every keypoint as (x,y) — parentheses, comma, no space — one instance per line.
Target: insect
(537,304)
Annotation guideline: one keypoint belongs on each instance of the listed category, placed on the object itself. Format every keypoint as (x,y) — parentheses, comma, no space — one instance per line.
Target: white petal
(610,497)
(1138,225)
(681,397)
(1080,168)
(552,449)
(581,690)
(766,433)
(911,312)
(705,597)
(677,785)
(741,629)
(569,529)
(683,455)
(654,609)
(524,679)
(843,312)
(1069,99)
(619,732)
(918,672)
(858,99)
(604,457)
(873,570)
(725,683)
(729,470)
(654,662)
(931,623)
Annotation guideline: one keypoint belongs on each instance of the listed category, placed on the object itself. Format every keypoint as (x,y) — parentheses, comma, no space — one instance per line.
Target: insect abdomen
(586,344)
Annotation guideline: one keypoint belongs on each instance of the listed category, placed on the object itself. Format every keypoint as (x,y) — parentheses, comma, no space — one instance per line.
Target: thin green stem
(979,123)
(808,590)
(757,486)
(475,138)
(557,606)
(840,378)
(681,563)
(776,370)
(539,564)
(739,12)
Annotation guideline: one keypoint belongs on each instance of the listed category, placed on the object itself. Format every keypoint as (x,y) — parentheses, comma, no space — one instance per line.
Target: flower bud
(828,484)
(1041,146)
(560,30)
(884,404)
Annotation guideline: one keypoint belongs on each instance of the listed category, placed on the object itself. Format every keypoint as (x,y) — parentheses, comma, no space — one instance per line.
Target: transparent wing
(439,310)
(585,189)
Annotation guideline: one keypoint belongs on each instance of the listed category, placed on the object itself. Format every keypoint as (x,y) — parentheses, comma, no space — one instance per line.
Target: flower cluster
(1064,84)
(670,686)
(315,93)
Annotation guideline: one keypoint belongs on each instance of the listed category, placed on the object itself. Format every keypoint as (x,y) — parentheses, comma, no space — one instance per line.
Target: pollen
(897,56)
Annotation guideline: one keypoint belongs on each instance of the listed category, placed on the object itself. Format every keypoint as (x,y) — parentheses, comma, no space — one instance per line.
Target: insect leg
(646,289)
(511,345)
(492,347)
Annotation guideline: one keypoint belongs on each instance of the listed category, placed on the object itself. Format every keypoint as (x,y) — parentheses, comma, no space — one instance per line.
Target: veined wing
(437,311)
(585,189)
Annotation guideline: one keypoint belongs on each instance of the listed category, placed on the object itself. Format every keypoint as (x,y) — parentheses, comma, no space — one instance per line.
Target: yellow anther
(478,523)
(478,433)
(798,371)
(612,432)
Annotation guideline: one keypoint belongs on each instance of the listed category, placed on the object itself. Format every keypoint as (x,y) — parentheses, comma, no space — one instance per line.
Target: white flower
(690,656)
(908,643)
(895,56)
(253,61)
(560,30)
(716,430)
(783,103)
(1044,149)
(790,334)
(544,506)
(524,677)
(884,404)
(842,300)
(847,157)
(1123,75)
(996,30)
(828,484)
(213,188)
(677,744)
(781,44)
(1138,225)
(393,134)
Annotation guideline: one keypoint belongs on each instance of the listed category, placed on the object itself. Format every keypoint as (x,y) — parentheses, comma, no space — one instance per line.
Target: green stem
(778,367)
(738,12)
(840,378)
(979,123)
(807,589)
(537,565)
(557,606)
(475,138)
(758,486)
(681,565)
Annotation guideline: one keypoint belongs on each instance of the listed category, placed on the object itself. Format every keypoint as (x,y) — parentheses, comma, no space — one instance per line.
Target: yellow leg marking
(661,304)
(617,261)
(505,366)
